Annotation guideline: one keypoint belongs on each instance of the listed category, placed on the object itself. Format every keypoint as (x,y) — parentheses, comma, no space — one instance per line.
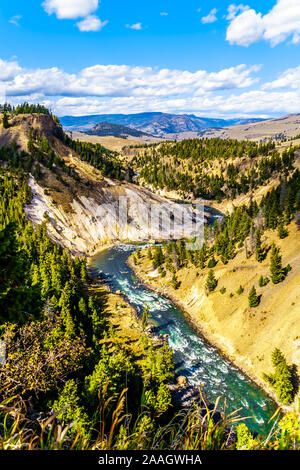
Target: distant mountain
(116,130)
(283,127)
(157,124)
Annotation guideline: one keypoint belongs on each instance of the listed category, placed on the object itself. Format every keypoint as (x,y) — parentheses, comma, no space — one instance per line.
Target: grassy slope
(111,142)
(246,335)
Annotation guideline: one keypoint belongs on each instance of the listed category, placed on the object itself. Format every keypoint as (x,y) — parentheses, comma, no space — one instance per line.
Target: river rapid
(195,358)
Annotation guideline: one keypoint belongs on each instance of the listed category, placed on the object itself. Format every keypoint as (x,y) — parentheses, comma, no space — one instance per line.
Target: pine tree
(259,251)
(14,293)
(277,357)
(253,298)
(282,231)
(145,317)
(175,283)
(212,262)
(211,282)
(5,120)
(263,281)
(277,271)
(282,379)
(158,258)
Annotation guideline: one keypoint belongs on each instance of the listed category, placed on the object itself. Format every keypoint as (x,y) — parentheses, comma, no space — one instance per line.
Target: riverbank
(127,322)
(191,300)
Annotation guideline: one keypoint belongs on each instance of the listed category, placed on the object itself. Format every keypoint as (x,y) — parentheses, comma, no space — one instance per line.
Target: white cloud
(15,20)
(282,22)
(211,17)
(164,13)
(233,9)
(91,23)
(8,70)
(245,29)
(288,79)
(70,9)
(136,26)
(251,103)
(125,89)
(122,80)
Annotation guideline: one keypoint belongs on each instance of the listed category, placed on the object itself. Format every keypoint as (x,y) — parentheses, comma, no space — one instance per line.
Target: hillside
(115,130)
(239,253)
(221,172)
(72,345)
(115,144)
(280,128)
(167,126)
(77,187)
(68,345)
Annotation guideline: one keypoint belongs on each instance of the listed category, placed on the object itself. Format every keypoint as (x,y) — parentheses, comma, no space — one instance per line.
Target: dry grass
(247,335)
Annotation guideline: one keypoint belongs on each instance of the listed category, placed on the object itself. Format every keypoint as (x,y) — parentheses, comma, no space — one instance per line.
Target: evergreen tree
(212,263)
(282,379)
(259,251)
(145,317)
(282,231)
(263,281)
(175,283)
(158,258)
(5,120)
(277,271)
(211,282)
(253,298)
(15,296)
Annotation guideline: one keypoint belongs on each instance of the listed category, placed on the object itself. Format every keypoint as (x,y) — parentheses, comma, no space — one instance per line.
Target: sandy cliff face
(108,214)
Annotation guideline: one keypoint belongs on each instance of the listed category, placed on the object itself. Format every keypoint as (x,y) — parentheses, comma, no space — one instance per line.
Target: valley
(70,191)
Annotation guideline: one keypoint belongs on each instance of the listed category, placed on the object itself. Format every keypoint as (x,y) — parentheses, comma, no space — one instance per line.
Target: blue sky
(212,58)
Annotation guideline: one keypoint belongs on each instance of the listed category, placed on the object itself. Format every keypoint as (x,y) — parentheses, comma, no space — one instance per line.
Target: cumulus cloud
(136,26)
(122,80)
(91,23)
(124,89)
(250,103)
(280,23)
(245,29)
(211,17)
(8,70)
(70,9)
(288,79)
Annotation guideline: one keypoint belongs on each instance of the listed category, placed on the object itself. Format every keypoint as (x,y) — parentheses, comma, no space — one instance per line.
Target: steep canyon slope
(85,208)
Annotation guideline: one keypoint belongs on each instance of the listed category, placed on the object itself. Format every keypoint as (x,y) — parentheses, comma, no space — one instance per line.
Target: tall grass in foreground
(198,428)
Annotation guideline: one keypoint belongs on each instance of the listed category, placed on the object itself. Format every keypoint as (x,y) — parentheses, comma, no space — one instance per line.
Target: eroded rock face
(116,213)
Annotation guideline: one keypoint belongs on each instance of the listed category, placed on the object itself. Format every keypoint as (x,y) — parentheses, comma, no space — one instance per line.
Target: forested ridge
(62,352)
(210,168)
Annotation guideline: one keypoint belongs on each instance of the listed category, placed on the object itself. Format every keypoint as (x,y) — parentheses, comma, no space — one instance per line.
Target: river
(195,358)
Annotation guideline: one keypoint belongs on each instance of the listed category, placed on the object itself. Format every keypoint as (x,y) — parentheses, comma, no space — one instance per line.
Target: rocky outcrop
(109,214)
